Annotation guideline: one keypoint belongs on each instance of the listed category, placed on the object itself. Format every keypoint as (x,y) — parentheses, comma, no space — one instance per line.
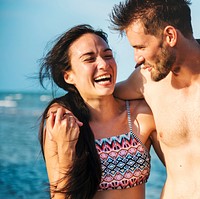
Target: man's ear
(68,77)
(170,34)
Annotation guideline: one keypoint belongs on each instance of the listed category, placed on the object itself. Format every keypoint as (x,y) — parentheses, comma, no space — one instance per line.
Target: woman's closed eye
(89,59)
(108,56)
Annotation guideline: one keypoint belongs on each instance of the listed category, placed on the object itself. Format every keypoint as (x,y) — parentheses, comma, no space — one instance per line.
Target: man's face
(157,56)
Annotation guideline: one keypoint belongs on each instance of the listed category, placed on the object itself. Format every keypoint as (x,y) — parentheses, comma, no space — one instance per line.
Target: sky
(27,26)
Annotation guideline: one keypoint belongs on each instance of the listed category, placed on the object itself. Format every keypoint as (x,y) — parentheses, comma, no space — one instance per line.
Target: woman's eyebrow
(107,49)
(87,53)
(91,53)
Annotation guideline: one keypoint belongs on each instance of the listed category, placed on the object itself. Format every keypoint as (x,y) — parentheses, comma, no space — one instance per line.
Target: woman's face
(93,68)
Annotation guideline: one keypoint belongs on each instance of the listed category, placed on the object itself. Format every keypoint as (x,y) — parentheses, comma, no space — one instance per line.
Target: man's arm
(156,145)
(131,88)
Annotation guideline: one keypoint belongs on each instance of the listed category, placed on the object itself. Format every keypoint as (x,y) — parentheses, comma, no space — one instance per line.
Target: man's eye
(141,48)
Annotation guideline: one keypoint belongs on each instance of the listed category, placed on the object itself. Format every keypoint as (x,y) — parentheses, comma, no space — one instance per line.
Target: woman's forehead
(87,42)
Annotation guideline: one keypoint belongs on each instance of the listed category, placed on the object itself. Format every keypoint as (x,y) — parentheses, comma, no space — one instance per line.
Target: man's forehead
(135,27)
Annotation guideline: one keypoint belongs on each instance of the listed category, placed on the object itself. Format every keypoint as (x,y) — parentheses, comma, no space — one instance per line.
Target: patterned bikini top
(125,161)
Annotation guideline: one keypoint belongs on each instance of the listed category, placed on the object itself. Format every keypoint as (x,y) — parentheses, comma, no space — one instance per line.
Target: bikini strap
(129,115)
(130,124)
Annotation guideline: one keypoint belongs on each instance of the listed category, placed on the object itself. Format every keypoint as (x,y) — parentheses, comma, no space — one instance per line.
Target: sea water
(22,169)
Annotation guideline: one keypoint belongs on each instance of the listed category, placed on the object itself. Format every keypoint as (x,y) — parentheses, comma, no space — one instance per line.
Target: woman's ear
(68,77)
(170,34)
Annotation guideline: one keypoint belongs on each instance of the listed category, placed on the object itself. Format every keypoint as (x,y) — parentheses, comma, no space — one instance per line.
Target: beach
(22,168)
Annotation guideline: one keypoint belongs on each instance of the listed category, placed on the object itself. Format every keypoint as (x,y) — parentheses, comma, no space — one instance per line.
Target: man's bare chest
(177,117)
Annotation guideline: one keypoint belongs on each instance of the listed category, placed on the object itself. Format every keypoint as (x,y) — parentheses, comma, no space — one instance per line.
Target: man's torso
(177,117)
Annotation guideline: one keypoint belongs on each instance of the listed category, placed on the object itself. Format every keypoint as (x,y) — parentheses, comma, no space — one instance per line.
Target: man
(161,34)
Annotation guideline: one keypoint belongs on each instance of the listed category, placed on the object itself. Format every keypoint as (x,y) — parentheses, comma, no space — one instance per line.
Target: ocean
(22,169)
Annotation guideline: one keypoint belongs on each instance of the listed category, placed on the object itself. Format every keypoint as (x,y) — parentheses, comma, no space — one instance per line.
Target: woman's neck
(104,109)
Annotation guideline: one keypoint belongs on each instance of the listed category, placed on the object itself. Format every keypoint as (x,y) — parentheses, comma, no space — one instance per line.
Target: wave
(8,103)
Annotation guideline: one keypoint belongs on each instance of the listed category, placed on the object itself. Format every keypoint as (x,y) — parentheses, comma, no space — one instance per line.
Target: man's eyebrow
(138,46)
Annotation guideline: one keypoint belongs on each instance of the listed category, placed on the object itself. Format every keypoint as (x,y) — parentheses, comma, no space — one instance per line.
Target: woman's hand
(61,135)
(62,126)
(63,129)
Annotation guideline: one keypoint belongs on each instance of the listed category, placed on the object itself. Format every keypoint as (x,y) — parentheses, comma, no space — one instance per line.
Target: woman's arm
(51,160)
(61,137)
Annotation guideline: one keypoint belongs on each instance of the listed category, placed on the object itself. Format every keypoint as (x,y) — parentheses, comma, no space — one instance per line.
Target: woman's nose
(102,63)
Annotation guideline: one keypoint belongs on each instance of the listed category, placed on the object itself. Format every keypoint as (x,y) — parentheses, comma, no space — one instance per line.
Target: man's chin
(157,77)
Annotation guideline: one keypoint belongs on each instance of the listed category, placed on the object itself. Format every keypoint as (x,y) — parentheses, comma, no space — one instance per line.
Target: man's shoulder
(140,106)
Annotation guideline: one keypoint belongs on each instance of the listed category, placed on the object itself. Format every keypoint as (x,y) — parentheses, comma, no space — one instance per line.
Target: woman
(109,157)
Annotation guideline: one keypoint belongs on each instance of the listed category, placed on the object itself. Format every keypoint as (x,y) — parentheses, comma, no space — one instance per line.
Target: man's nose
(139,59)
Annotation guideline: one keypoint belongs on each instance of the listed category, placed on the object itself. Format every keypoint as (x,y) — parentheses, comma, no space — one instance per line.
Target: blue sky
(26,26)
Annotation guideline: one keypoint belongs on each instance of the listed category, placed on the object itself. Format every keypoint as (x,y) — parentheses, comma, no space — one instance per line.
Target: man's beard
(163,64)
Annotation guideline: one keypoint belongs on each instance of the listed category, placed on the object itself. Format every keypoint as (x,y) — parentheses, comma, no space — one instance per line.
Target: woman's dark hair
(85,173)
(57,60)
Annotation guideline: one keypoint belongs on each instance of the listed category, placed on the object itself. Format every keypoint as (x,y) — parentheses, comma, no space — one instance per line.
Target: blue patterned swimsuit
(125,161)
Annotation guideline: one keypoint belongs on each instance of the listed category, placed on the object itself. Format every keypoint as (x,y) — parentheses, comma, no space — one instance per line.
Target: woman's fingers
(62,113)
(62,125)
(72,121)
(50,125)
(70,115)
(72,128)
(49,134)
